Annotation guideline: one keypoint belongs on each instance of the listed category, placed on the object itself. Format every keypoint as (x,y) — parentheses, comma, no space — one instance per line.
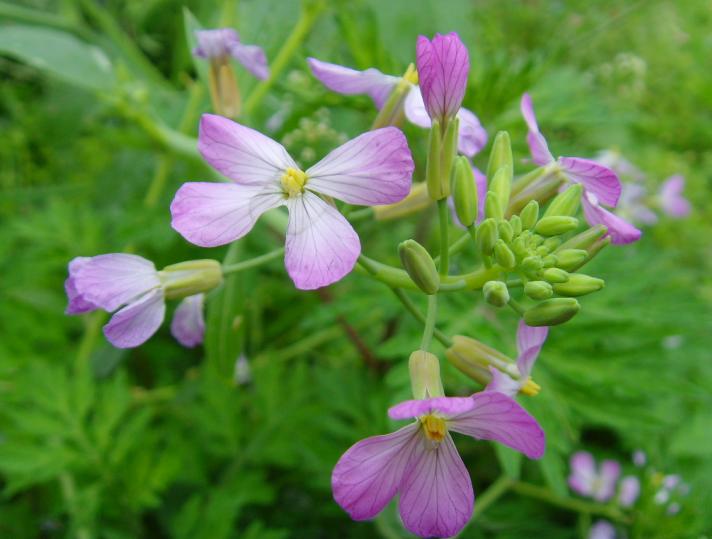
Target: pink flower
(601,185)
(529,343)
(672,201)
(586,480)
(421,464)
(628,491)
(443,66)
(322,247)
(220,43)
(472,136)
(188,325)
(602,529)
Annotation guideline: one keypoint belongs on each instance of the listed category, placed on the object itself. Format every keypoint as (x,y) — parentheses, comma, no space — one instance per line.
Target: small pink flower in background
(188,324)
(443,67)
(472,136)
(529,343)
(602,529)
(672,201)
(587,480)
(639,458)
(220,43)
(628,491)
(632,204)
(421,464)
(372,169)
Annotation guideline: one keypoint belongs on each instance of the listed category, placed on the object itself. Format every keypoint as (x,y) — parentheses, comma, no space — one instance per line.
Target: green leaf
(60,55)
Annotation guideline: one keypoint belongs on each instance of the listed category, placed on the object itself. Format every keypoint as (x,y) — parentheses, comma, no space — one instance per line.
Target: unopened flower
(588,480)
(421,464)
(321,246)
(529,343)
(481,186)
(602,529)
(221,43)
(628,491)
(472,136)
(188,324)
(131,287)
(673,203)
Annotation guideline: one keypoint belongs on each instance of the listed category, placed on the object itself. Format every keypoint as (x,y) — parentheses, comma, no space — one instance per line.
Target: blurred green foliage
(161,441)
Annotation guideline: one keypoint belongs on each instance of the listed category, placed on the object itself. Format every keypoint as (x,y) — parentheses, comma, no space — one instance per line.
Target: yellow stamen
(411,74)
(530,388)
(434,427)
(293,181)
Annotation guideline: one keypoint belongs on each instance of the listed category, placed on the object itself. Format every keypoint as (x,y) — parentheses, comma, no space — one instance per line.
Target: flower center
(434,427)
(293,181)
(530,388)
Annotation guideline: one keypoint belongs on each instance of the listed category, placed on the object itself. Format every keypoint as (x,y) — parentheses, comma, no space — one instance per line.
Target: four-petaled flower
(421,464)
(374,168)
(221,43)
(587,480)
(601,185)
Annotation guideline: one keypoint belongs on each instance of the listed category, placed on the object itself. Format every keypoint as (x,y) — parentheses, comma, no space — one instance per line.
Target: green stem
(307,18)
(443,213)
(418,315)
(488,497)
(253,262)
(430,317)
(516,306)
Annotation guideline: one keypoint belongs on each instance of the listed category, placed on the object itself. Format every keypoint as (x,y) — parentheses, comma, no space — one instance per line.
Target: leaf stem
(418,315)
(253,262)
(430,317)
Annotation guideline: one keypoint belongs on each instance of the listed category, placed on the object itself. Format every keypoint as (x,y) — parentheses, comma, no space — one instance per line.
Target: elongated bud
(496,293)
(224,91)
(424,369)
(594,249)
(465,192)
(417,200)
(585,239)
(553,226)
(432,170)
(551,244)
(531,266)
(420,266)
(552,312)
(492,207)
(541,191)
(500,157)
(516,223)
(538,290)
(502,185)
(579,285)
(530,215)
(555,275)
(486,236)
(449,150)
(566,203)
(189,278)
(503,255)
(474,359)
(506,232)
(571,259)
(549,261)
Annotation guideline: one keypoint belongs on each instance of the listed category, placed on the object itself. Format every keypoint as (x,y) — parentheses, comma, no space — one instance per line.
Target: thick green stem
(418,315)
(516,306)
(443,214)
(253,262)
(430,318)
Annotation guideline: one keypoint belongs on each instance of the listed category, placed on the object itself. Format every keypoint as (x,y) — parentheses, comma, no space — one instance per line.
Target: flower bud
(449,151)
(531,266)
(578,285)
(505,231)
(565,203)
(424,369)
(420,266)
(496,293)
(433,173)
(538,290)
(492,207)
(530,215)
(189,278)
(555,225)
(585,239)
(501,157)
(224,91)
(486,236)
(502,185)
(571,259)
(520,247)
(552,312)
(549,261)
(503,255)
(465,192)
(474,358)
(555,275)
(551,244)
(516,223)
(416,200)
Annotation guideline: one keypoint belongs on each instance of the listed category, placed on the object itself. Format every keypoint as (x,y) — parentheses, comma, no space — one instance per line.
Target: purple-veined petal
(620,231)
(347,81)
(374,168)
(322,247)
(539,149)
(595,178)
(607,479)
(503,383)
(414,109)
(602,529)
(672,201)
(498,417)
(629,491)
(138,321)
(112,280)
(77,304)
(367,476)
(583,473)
(188,324)
(472,136)
(527,108)
(436,495)
(252,57)
(242,154)
(446,406)
(211,214)
(529,342)
(443,67)
(215,43)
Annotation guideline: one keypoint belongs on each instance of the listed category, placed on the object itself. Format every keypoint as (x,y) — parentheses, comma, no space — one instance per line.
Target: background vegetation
(162,441)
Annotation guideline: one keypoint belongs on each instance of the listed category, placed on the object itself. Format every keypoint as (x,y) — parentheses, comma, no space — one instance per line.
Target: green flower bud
(555,275)
(516,223)
(579,285)
(531,265)
(417,200)
(486,236)
(502,185)
(449,150)
(566,203)
(571,259)
(189,278)
(474,358)
(597,246)
(542,251)
(551,244)
(553,226)
(538,290)
(505,231)
(585,239)
(530,215)
(541,191)
(465,192)
(520,247)
(424,369)
(420,266)
(536,240)
(500,157)
(503,255)
(549,261)
(433,172)
(552,312)
(493,208)
(496,293)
